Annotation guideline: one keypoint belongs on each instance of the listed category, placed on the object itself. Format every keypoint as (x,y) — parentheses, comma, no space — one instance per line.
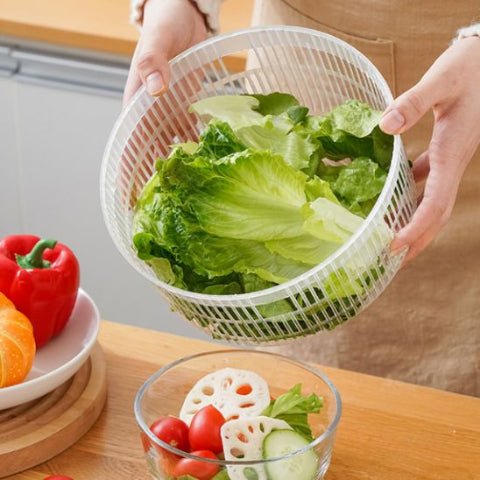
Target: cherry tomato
(58,477)
(197,468)
(173,431)
(204,433)
(145,442)
(167,462)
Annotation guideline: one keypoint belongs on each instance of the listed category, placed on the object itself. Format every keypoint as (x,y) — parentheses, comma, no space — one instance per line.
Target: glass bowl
(164,392)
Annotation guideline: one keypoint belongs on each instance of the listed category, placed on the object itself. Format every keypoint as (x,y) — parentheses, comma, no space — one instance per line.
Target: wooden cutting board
(38,430)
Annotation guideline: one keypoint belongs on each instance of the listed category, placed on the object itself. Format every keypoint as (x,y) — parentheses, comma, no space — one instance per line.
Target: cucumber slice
(299,467)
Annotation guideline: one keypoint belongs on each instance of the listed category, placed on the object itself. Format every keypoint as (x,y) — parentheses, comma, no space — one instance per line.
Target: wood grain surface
(100,25)
(388,431)
(38,430)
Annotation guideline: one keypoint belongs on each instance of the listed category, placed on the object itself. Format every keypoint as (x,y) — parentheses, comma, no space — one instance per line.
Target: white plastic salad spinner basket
(321,71)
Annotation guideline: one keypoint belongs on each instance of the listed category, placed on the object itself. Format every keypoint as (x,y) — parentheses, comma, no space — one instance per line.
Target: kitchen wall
(57,108)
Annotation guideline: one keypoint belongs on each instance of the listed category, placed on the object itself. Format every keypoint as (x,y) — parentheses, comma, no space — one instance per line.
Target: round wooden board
(36,431)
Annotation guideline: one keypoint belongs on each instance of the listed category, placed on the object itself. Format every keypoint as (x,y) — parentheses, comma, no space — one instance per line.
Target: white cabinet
(55,123)
(10,198)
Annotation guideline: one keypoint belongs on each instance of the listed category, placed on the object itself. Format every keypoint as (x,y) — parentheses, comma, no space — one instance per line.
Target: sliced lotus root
(242,439)
(235,393)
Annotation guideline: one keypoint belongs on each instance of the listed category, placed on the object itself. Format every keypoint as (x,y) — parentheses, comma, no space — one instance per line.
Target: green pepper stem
(34,259)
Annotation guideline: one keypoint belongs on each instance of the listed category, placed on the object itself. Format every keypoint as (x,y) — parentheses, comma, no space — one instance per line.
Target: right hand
(169,27)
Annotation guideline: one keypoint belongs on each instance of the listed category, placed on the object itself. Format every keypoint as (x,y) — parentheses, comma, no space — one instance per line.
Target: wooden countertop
(100,25)
(388,431)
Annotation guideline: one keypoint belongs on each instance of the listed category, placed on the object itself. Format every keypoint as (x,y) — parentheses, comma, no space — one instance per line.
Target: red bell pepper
(41,277)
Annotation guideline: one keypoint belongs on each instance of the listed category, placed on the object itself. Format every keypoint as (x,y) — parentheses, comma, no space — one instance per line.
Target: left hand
(451,88)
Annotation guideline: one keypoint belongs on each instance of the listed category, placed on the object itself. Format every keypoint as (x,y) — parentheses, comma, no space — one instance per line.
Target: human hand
(451,88)
(169,27)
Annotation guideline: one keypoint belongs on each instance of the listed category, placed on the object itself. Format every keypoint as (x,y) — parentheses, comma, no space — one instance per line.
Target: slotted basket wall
(321,71)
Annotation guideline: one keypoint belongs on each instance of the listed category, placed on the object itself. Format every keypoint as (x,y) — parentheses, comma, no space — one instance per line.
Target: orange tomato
(17,344)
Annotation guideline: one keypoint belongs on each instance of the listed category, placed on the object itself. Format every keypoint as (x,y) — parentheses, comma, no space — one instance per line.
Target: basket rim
(239,300)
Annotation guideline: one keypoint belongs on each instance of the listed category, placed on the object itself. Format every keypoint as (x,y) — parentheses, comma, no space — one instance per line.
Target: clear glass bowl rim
(223,463)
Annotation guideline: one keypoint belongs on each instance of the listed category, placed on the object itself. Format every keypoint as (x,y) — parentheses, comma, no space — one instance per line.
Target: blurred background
(63,66)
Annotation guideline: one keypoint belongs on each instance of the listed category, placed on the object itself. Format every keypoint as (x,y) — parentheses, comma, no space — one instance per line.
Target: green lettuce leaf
(221,475)
(359,184)
(297,114)
(336,143)
(188,147)
(293,408)
(329,221)
(213,256)
(294,149)
(274,103)
(303,248)
(382,148)
(253,283)
(242,196)
(217,141)
(355,118)
(359,181)
(236,110)
(316,187)
(351,130)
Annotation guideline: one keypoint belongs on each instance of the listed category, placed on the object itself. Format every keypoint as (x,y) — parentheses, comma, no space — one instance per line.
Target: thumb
(407,109)
(151,62)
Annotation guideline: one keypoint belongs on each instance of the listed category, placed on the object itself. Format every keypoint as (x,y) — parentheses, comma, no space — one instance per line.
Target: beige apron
(425,328)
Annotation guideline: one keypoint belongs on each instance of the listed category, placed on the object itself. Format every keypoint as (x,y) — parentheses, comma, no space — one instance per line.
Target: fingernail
(392,121)
(155,84)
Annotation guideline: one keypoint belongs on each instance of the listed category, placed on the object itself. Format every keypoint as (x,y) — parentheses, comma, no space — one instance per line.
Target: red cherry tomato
(173,431)
(167,462)
(146,443)
(204,433)
(197,468)
(58,477)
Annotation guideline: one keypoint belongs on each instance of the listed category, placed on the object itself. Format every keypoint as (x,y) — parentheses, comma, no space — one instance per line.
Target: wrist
(194,4)
(208,9)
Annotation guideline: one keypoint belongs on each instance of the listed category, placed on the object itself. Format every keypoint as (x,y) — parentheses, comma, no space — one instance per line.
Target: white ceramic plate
(60,358)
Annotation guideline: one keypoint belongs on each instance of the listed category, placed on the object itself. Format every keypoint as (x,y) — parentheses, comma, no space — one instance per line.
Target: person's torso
(425,327)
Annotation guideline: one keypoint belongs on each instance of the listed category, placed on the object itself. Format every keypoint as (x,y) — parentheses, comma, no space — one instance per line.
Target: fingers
(134,81)
(133,84)
(407,109)
(421,167)
(431,215)
(149,65)
(151,62)
(450,149)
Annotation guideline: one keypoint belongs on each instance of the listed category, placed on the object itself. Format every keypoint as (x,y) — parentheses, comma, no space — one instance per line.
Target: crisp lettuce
(360,181)
(253,203)
(260,122)
(236,110)
(356,185)
(216,141)
(303,248)
(355,118)
(241,196)
(293,148)
(329,221)
(351,130)
(274,103)
(294,408)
